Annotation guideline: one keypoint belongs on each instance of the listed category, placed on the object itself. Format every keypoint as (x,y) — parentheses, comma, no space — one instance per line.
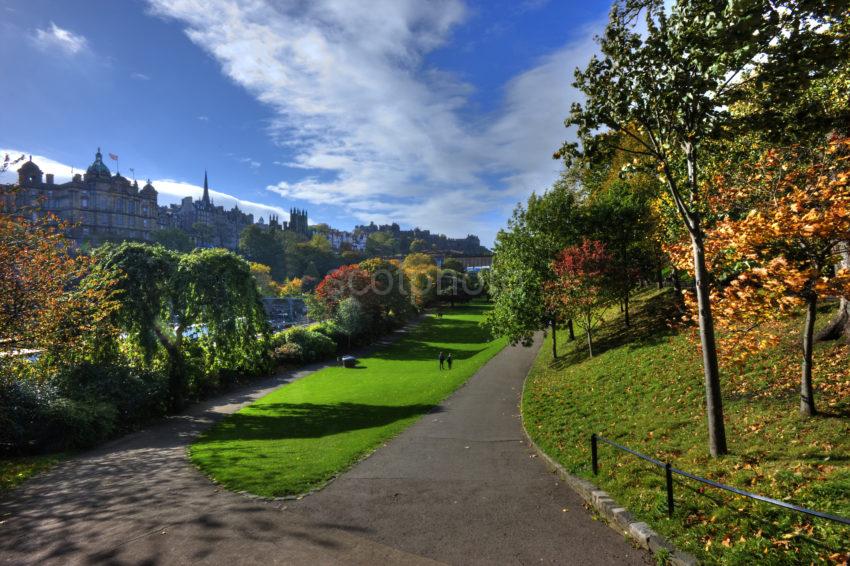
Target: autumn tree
(263,278)
(48,302)
(669,87)
(582,288)
(786,246)
(423,275)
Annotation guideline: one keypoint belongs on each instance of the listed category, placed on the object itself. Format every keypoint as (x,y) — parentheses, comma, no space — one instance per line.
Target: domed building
(100,206)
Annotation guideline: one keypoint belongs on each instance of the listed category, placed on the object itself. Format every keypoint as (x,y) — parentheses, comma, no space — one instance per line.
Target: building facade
(102,207)
(99,206)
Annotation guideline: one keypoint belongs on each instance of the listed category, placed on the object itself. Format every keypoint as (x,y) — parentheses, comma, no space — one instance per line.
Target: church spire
(206,199)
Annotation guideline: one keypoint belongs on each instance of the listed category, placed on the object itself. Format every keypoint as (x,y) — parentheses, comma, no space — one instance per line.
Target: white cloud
(204,118)
(250,162)
(170,191)
(140,76)
(378,132)
(63,40)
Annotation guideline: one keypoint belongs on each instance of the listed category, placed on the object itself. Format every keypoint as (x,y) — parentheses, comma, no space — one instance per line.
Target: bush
(289,353)
(79,424)
(137,396)
(23,414)
(314,346)
(330,329)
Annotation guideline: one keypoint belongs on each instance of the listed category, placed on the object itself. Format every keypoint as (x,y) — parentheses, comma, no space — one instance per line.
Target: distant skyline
(438,114)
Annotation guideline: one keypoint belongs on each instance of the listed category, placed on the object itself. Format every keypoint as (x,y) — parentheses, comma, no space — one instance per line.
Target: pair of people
(445,360)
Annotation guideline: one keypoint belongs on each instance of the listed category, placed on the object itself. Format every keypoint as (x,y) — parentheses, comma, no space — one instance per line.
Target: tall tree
(522,263)
(670,88)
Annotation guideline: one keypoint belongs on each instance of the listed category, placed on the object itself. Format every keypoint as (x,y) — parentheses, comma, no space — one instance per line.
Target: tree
(349,318)
(418,245)
(621,220)
(291,288)
(423,275)
(212,288)
(522,263)
(582,288)
(453,264)
(204,234)
(48,301)
(173,239)
(263,279)
(389,290)
(381,244)
(261,245)
(786,247)
(670,90)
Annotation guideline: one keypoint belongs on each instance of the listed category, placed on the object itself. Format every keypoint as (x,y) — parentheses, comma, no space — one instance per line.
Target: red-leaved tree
(581,290)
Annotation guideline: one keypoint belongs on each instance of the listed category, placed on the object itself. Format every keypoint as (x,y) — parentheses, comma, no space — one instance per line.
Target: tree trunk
(626,309)
(589,338)
(554,339)
(711,370)
(839,327)
(571,330)
(807,394)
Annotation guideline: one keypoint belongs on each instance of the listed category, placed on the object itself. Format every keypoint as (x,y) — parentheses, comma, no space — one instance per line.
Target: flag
(113,157)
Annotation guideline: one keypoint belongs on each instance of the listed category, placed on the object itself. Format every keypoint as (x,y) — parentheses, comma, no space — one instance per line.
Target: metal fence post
(669,474)
(593,457)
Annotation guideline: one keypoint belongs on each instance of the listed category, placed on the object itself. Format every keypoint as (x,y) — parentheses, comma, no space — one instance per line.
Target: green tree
(669,89)
(163,294)
(173,239)
(381,244)
(418,245)
(261,245)
(349,318)
(453,264)
(522,263)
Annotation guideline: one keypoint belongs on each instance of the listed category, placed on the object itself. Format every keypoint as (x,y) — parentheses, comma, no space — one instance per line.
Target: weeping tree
(163,294)
(667,85)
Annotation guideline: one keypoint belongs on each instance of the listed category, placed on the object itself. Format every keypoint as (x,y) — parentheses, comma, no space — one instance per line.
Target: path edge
(615,515)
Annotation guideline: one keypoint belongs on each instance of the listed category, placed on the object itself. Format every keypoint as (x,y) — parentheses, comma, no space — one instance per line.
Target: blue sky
(438,114)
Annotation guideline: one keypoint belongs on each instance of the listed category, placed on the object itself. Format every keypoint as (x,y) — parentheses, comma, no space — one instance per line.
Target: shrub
(79,424)
(289,353)
(314,346)
(23,421)
(137,396)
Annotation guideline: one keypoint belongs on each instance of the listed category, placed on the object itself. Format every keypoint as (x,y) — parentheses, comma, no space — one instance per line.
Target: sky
(441,114)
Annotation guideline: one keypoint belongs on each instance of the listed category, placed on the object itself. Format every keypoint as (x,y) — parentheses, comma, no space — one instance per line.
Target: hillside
(643,388)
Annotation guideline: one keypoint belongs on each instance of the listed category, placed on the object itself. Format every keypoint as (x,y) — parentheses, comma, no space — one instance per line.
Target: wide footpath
(460,486)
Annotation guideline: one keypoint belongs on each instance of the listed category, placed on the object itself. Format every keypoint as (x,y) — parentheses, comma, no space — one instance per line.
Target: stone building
(208,225)
(100,206)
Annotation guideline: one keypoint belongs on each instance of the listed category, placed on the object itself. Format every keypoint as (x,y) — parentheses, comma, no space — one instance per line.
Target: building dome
(98,168)
(29,174)
(148,190)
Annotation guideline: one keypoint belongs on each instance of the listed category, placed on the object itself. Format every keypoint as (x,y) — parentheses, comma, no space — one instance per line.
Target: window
(146,223)
(132,207)
(145,210)
(84,200)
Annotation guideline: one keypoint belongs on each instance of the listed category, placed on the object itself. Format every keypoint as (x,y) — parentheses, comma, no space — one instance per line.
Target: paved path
(459,487)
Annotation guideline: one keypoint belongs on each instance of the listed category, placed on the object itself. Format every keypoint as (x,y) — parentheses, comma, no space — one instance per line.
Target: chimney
(49,177)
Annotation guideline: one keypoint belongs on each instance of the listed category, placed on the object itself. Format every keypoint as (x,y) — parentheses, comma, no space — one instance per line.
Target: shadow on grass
(650,325)
(308,420)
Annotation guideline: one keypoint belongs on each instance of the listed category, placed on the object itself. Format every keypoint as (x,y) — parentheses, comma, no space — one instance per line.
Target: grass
(15,470)
(644,389)
(302,435)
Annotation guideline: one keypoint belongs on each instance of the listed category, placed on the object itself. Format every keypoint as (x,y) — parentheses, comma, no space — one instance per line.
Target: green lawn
(644,389)
(14,470)
(302,435)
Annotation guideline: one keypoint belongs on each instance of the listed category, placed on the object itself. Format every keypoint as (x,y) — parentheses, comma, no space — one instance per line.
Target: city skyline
(444,119)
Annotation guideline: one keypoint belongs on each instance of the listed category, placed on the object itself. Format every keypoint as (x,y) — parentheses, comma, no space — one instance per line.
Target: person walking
(442,359)
(449,360)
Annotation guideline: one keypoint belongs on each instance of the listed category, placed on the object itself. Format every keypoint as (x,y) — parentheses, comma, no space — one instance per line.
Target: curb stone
(617,517)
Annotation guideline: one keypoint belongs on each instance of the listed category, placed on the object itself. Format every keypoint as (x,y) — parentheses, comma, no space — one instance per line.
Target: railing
(669,470)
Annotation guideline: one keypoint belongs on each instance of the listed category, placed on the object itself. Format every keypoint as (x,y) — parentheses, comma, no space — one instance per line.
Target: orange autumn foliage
(783,249)
(47,300)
